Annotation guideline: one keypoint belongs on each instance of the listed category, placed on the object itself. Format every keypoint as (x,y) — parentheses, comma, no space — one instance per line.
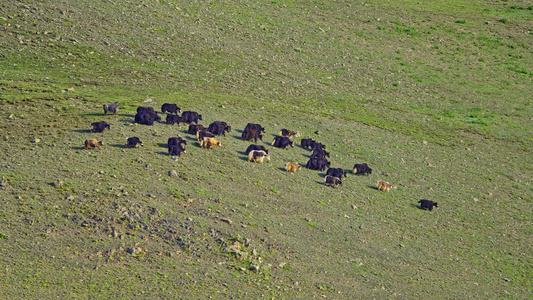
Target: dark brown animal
(362,169)
(133,142)
(175,146)
(427,204)
(257,127)
(190,117)
(282,142)
(337,172)
(332,181)
(173,119)
(317,163)
(219,128)
(251,134)
(170,108)
(194,128)
(99,126)
(307,143)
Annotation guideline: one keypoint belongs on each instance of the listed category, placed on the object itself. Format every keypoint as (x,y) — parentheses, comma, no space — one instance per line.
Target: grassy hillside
(435,96)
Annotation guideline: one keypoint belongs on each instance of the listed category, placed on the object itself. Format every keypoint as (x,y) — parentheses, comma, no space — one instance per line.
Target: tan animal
(210,143)
(258,156)
(94,143)
(384,186)
(292,167)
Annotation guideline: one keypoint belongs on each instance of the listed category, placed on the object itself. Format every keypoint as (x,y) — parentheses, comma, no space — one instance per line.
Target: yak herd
(206,138)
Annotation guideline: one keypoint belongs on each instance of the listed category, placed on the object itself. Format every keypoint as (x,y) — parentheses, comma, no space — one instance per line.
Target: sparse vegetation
(435,97)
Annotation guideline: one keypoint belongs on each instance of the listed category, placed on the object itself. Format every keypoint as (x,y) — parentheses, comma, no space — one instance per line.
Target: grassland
(435,96)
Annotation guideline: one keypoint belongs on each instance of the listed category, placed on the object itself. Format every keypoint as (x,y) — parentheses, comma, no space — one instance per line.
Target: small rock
(172,173)
(58,183)
(35,141)
(226,220)
(70,198)
(254,267)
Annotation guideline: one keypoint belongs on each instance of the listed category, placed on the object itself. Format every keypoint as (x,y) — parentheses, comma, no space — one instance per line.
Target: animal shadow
(77,148)
(417,206)
(162,145)
(373,187)
(118,146)
(162,153)
(83,130)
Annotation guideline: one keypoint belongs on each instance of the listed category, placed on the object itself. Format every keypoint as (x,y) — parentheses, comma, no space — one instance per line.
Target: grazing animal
(282,142)
(337,172)
(251,134)
(176,150)
(427,204)
(93,143)
(258,156)
(332,181)
(145,109)
(170,108)
(319,152)
(384,186)
(111,107)
(292,167)
(257,127)
(190,117)
(288,133)
(132,142)
(175,141)
(175,146)
(146,116)
(256,147)
(172,119)
(210,143)
(219,128)
(194,128)
(318,145)
(307,143)
(200,135)
(361,169)
(317,163)
(99,126)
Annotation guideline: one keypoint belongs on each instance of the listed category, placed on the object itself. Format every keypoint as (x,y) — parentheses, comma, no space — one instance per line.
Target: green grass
(434,96)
